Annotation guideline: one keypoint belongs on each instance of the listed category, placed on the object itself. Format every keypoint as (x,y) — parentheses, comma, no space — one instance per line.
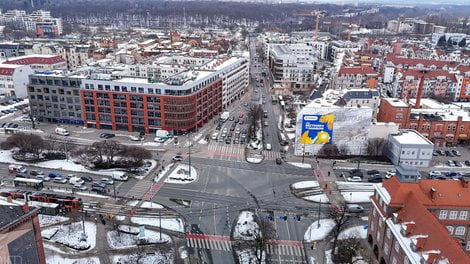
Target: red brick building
(420,222)
(443,126)
(355,78)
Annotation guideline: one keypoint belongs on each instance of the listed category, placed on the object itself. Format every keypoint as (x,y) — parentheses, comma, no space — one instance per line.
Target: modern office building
(411,148)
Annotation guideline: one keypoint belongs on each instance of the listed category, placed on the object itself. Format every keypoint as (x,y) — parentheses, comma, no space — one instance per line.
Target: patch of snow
(180,175)
(329,259)
(120,217)
(365,218)
(49,233)
(57,259)
(174,224)
(305,184)
(355,231)
(319,198)
(246,227)
(95,195)
(291,136)
(300,165)
(149,205)
(203,142)
(70,235)
(120,240)
(163,172)
(155,258)
(47,220)
(254,159)
(317,233)
(357,197)
(133,203)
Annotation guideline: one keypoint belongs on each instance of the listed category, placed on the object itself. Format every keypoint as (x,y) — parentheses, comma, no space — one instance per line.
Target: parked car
(354,208)
(354,179)
(98,184)
(372,172)
(136,138)
(59,180)
(79,187)
(457,163)
(451,174)
(434,174)
(214,135)
(440,152)
(177,157)
(98,189)
(356,172)
(36,172)
(227,141)
(107,181)
(231,118)
(450,163)
(390,173)
(467,163)
(54,175)
(456,153)
(107,135)
(278,161)
(21,175)
(375,178)
(16,169)
(87,178)
(43,178)
(76,180)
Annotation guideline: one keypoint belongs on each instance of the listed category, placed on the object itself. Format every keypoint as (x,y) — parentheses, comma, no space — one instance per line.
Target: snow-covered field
(70,236)
(156,258)
(316,233)
(300,165)
(174,224)
(47,220)
(320,198)
(149,205)
(57,259)
(355,231)
(246,226)
(120,240)
(305,184)
(180,175)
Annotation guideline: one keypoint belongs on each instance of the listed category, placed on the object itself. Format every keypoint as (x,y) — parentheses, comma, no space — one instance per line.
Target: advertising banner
(317,129)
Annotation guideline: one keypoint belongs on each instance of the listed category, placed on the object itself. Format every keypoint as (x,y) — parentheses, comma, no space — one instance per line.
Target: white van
(62,131)
(214,135)
(76,181)
(120,176)
(268,147)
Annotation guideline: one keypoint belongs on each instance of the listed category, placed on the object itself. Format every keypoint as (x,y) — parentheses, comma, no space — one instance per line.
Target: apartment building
(411,148)
(20,234)
(74,55)
(439,83)
(354,78)
(39,21)
(55,98)
(416,222)
(39,62)
(13,80)
(8,49)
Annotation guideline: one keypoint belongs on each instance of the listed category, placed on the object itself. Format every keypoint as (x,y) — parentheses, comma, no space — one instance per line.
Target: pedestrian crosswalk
(140,189)
(222,151)
(153,190)
(215,242)
(271,155)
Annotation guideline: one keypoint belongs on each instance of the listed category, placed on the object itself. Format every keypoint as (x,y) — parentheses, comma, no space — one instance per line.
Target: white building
(409,147)
(14,79)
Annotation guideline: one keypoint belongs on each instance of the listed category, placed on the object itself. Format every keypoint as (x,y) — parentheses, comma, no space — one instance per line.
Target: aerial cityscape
(234,132)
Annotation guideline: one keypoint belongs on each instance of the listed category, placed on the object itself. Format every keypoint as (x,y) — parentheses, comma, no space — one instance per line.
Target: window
(450,229)
(406,261)
(386,247)
(389,233)
(443,214)
(460,231)
(453,214)
(397,247)
(467,246)
(394,260)
(463,215)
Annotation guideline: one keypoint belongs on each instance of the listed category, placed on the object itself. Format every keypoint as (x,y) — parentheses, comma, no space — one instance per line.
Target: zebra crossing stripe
(291,249)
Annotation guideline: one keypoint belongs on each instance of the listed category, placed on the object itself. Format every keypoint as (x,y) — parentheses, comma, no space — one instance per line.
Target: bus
(33,183)
(273,99)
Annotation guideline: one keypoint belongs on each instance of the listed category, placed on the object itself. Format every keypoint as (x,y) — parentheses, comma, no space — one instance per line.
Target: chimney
(25,207)
(465,182)
(432,192)
(420,90)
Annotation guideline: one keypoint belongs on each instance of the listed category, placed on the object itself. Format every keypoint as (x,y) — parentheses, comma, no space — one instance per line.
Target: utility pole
(160,224)
(189,155)
(319,209)
(303,153)
(114,189)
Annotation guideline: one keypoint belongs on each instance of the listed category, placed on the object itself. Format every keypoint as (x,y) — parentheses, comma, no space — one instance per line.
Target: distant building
(354,78)
(410,148)
(14,80)
(20,234)
(416,222)
(40,22)
(40,62)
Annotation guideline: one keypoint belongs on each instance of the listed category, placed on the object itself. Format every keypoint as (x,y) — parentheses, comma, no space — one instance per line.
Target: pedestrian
(329,173)
(334,163)
(326,186)
(341,175)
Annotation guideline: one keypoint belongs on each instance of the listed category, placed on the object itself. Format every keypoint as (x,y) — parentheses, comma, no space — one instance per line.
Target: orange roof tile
(356,70)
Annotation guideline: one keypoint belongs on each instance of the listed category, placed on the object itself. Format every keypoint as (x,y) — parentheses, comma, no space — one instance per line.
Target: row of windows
(453,214)
(73,83)
(459,231)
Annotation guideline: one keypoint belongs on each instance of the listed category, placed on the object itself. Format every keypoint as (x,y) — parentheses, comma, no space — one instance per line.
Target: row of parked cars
(456,163)
(447,153)
(9,125)
(78,182)
(449,175)
(356,175)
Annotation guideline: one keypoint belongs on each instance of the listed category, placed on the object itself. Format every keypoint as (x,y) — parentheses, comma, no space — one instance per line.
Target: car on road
(76,180)
(87,178)
(278,161)
(269,147)
(225,130)
(452,174)
(43,178)
(236,141)
(354,179)
(54,175)
(36,172)
(107,181)
(354,208)
(232,128)
(137,138)
(16,169)
(372,172)
(177,157)
(434,174)
(467,163)
(231,118)
(375,178)
(107,135)
(227,141)
(356,172)
(79,187)
(390,173)
(284,143)
(214,135)
(450,163)
(59,180)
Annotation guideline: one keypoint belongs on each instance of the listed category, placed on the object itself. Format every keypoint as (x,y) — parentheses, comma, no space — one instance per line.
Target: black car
(278,161)
(107,135)
(356,172)
(36,172)
(440,152)
(284,143)
(98,184)
(87,178)
(228,141)
(375,178)
(372,172)
(98,189)
(467,163)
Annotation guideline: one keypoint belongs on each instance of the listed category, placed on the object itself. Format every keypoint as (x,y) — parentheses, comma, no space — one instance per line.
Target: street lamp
(303,153)
(189,155)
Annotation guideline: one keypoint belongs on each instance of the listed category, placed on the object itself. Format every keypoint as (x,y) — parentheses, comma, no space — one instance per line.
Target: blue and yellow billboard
(317,129)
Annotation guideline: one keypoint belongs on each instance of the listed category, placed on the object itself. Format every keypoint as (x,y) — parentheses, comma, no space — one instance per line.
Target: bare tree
(341,219)
(329,150)
(376,147)
(25,144)
(260,239)
(352,250)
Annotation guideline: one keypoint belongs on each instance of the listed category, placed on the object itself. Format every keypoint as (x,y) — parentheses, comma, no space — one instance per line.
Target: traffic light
(283,217)
(297,217)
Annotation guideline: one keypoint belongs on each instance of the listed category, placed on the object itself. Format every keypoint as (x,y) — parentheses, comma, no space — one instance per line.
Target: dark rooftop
(427,117)
(10,213)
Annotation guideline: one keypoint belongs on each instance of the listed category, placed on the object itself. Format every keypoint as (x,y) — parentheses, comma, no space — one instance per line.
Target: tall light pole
(189,155)
(303,154)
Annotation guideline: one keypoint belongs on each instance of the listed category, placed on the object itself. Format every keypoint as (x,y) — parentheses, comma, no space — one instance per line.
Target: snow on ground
(316,233)
(95,195)
(246,226)
(47,220)
(149,205)
(357,197)
(57,259)
(320,198)
(120,240)
(174,224)
(163,172)
(129,229)
(69,235)
(328,257)
(246,256)
(180,175)
(365,218)
(49,233)
(355,231)
(301,165)
(305,184)
(156,258)
(290,136)
(203,142)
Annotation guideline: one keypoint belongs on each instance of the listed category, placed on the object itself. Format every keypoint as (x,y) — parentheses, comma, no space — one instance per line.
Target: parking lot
(456,157)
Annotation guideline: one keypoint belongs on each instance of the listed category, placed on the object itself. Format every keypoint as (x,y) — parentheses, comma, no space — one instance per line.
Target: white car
(79,187)
(390,173)
(136,138)
(160,140)
(214,135)
(354,179)
(434,174)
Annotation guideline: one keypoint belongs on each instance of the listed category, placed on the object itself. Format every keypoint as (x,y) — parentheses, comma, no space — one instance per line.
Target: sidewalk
(323,171)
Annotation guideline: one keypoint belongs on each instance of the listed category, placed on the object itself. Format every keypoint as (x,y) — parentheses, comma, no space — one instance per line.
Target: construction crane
(317,14)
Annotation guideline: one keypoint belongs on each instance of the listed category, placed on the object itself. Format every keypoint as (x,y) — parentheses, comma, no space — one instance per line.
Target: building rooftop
(395,102)
(9,214)
(411,137)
